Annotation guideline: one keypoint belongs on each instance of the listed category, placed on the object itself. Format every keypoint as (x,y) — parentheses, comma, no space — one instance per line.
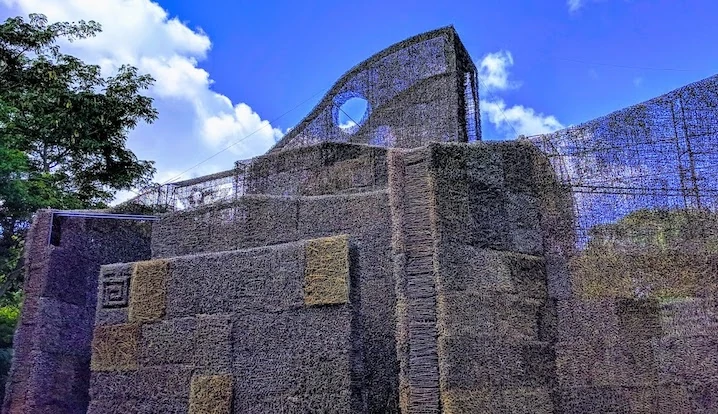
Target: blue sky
(225,68)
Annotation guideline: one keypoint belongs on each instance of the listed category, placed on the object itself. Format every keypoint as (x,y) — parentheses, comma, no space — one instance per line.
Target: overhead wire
(486,91)
(242,139)
(624,66)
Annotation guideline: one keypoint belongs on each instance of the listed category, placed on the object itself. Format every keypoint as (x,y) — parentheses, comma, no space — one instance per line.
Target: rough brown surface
(460,286)
(115,347)
(326,273)
(211,395)
(148,291)
(51,362)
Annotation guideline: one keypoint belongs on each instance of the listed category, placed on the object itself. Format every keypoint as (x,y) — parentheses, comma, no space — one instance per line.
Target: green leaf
(63,129)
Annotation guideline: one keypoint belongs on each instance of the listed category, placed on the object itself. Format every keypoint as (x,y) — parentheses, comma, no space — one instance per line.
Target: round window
(351,113)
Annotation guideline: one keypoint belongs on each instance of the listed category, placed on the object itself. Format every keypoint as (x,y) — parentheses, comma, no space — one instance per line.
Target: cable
(625,66)
(486,89)
(241,139)
(350,118)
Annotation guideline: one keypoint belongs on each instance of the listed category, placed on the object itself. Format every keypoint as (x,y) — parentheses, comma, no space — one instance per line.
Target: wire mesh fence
(183,195)
(655,156)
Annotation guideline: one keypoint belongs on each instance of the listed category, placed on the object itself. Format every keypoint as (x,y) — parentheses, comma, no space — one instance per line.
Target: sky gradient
(242,72)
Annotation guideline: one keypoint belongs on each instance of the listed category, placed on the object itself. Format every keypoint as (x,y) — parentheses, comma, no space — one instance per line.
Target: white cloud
(141,33)
(574,5)
(518,119)
(515,120)
(221,127)
(494,71)
(638,81)
(348,124)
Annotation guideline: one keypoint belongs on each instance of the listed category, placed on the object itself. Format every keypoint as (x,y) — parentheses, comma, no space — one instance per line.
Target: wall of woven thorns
(287,342)
(637,329)
(50,371)
(421,90)
(574,272)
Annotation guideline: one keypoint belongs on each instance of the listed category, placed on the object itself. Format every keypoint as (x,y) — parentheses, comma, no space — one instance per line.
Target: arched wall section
(423,89)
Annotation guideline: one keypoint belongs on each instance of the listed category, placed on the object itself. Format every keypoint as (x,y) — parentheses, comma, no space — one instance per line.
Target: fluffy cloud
(195,121)
(515,120)
(494,71)
(518,118)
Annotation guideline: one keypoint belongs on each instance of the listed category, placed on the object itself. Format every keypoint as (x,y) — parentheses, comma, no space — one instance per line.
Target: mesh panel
(639,309)
(328,168)
(656,155)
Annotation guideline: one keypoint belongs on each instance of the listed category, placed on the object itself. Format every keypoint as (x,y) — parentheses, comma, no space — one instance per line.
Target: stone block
(213,342)
(211,395)
(326,274)
(245,281)
(168,342)
(115,347)
(148,291)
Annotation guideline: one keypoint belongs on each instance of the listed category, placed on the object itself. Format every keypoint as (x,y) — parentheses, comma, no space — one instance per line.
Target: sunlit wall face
(421,90)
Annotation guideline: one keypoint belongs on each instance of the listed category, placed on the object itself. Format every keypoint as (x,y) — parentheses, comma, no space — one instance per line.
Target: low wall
(274,328)
(267,220)
(51,365)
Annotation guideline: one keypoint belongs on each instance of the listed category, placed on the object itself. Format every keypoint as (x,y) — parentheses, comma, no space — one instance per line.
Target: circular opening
(352,113)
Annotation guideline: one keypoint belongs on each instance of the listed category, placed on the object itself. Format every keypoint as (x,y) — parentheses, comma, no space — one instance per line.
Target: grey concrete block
(213,342)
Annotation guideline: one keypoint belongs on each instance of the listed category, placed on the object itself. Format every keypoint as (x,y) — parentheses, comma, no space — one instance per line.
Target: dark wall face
(51,365)
(495,316)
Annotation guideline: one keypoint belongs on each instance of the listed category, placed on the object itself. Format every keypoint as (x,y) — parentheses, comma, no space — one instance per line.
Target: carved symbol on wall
(115,292)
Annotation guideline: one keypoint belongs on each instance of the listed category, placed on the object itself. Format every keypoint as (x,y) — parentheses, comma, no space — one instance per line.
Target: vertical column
(413,243)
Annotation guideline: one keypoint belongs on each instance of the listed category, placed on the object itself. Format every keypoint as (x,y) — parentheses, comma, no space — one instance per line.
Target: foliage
(660,253)
(63,133)
(63,130)
(9,314)
(687,229)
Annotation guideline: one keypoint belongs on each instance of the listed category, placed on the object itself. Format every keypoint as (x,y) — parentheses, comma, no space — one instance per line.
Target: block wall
(51,363)
(454,286)
(253,331)
(496,321)
(263,220)
(327,168)
(636,320)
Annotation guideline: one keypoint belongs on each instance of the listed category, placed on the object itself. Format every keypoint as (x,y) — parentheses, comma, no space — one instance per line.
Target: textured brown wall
(466,293)
(240,315)
(51,365)
(496,322)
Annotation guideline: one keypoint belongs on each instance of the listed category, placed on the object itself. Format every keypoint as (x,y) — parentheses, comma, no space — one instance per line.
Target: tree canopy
(63,131)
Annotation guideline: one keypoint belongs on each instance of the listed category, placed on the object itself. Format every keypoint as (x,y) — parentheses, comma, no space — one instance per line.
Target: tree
(63,130)
(63,133)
